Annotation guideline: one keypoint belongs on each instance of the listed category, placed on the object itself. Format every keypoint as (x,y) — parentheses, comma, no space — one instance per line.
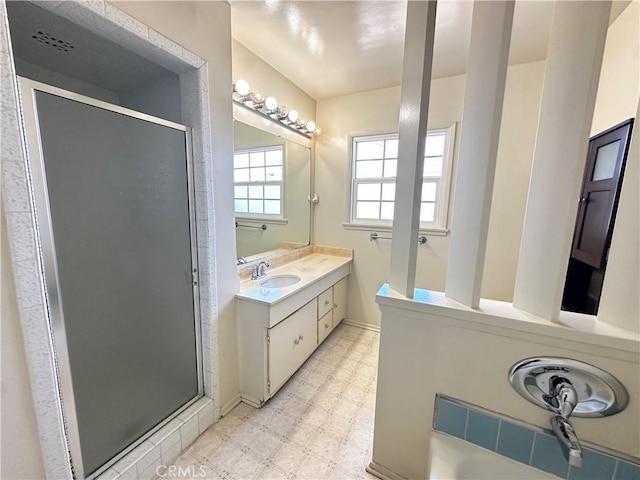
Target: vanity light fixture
(268,106)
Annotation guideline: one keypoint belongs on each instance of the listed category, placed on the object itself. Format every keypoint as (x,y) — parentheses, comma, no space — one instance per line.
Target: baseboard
(230,405)
(366,326)
(383,473)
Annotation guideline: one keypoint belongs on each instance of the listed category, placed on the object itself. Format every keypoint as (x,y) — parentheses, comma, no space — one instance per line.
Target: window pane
(369,150)
(274,157)
(370,169)
(389,191)
(241,206)
(272,192)
(429,191)
(368,191)
(390,167)
(391,149)
(272,207)
(435,145)
(241,160)
(256,159)
(255,191)
(257,174)
(606,161)
(386,211)
(241,175)
(368,210)
(433,167)
(274,174)
(427,212)
(240,192)
(255,206)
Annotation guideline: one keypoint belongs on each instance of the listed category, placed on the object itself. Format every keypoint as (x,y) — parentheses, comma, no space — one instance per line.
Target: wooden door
(600,192)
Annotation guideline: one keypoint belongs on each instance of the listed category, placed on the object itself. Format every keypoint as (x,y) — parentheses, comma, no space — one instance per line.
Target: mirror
(272,182)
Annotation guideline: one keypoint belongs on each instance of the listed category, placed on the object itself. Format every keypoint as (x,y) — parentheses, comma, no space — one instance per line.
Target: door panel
(118,197)
(600,192)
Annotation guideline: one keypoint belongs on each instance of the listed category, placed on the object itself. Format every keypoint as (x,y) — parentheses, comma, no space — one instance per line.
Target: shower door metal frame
(48,261)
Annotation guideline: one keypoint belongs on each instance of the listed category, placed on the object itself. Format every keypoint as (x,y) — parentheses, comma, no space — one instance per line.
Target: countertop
(309,268)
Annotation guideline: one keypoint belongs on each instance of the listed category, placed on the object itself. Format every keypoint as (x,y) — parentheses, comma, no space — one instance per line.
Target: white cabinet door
(290,344)
(339,301)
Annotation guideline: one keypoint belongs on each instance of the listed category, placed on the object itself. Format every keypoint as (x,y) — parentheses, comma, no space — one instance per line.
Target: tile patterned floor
(318,426)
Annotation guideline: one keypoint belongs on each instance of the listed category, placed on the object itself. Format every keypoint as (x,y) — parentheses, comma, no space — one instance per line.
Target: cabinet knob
(335,305)
(296,341)
(326,302)
(326,325)
(301,337)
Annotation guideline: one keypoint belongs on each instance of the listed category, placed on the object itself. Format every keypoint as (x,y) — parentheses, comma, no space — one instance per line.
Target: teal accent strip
(526,443)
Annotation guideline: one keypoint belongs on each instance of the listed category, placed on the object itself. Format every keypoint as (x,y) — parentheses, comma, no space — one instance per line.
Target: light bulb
(270,104)
(311,126)
(282,112)
(293,116)
(301,122)
(257,98)
(317,131)
(242,87)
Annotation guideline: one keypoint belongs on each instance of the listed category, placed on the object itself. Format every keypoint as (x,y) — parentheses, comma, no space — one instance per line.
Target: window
(258,181)
(375,162)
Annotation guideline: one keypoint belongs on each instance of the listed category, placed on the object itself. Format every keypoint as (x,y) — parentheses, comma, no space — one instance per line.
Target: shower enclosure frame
(48,264)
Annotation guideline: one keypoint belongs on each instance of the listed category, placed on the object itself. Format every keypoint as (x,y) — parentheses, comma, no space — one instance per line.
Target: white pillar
(576,45)
(619,303)
(484,94)
(414,108)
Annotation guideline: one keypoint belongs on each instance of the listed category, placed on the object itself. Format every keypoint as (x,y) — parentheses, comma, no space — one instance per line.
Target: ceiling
(333,48)
(87,56)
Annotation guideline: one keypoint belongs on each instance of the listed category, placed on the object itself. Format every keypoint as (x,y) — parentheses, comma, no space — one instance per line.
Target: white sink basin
(279,281)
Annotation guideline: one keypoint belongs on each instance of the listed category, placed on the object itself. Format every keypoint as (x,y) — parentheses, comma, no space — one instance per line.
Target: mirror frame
(251,118)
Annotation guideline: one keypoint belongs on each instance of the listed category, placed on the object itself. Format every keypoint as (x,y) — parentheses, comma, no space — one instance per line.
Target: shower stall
(115,214)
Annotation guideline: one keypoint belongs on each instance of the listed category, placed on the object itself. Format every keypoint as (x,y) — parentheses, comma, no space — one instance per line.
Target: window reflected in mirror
(272,178)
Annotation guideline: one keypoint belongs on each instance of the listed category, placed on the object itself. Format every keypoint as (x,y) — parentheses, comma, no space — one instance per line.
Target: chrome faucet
(564,398)
(259,270)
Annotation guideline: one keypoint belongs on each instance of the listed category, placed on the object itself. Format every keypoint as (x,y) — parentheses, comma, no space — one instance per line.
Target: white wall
(619,85)
(377,112)
(21,457)
(263,78)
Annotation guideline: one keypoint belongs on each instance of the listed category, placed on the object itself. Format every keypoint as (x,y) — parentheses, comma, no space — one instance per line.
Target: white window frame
(440,224)
(266,217)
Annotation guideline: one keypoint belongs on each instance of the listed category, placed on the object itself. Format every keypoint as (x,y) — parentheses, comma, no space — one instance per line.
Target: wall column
(574,58)
(414,108)
(484,94)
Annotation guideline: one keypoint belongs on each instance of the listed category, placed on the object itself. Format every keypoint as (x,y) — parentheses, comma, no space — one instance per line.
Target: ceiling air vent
(48,39)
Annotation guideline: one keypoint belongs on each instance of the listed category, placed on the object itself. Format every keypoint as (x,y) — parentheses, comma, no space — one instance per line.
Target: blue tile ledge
(528,444)
(601,338)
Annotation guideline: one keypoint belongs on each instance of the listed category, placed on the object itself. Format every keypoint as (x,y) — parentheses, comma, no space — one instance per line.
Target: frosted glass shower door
(119,263)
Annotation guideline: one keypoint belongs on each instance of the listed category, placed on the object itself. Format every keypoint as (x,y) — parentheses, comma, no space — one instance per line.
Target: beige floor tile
(319,425)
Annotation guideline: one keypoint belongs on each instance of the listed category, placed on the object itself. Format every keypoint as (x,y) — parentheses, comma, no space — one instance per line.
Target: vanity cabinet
(275,338)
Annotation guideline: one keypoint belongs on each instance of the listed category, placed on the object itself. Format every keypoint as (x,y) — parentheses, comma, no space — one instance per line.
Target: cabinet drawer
(325,326)
(290,343)
(325,302)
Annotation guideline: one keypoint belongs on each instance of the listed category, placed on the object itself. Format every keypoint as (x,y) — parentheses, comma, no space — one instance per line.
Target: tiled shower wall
(109,22)
(527,443)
